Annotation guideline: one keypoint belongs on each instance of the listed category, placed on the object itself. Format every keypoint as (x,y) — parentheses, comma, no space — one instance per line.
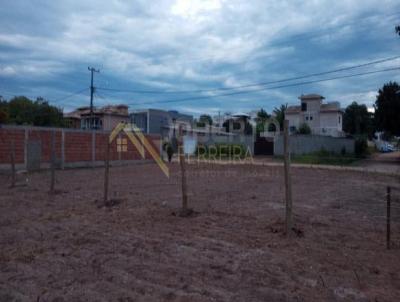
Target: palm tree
(262,117)
(280,114)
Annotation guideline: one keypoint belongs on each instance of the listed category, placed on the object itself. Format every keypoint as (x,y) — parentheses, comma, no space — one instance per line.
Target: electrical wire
(266,88)
(70,95)
(253,84)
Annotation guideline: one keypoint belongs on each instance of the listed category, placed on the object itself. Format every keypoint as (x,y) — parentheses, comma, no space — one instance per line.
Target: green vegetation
(22,111)
(205,119)
(262,117)
(357,120)
(387,109)
(280,114)
(324,157)
(304,129)
(361,146)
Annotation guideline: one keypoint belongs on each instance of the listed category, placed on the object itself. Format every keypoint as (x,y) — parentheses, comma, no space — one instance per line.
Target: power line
(69,96)
(253,84)
(267,88)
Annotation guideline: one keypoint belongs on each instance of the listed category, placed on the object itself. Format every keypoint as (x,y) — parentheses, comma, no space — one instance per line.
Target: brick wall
(6,139)
(71,146)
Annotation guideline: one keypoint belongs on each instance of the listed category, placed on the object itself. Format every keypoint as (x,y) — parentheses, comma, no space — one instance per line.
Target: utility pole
(92,70)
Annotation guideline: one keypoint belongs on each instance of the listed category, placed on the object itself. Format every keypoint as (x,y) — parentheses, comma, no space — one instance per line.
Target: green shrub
(361,146)
(324,157)
(304,129)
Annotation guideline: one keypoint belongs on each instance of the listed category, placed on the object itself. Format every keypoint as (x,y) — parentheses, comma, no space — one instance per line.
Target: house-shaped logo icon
(140,142)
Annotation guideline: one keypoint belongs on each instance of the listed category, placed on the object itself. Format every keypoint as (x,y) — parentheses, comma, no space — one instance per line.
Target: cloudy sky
(148,50)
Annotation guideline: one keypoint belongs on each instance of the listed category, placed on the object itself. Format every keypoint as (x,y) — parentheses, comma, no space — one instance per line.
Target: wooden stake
(388,218)
(183,173)
(106,172)
(12,157)
(53,162)
(288,182)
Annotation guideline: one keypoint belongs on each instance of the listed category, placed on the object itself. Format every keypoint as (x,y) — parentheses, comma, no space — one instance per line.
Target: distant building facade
(104,118)
(323,119)
(239,123)
(157,121)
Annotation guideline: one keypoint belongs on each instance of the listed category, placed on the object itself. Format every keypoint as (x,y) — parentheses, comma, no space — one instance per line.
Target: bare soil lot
(67,247)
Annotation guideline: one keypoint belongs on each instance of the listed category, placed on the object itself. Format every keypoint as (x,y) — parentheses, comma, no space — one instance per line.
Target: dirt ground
(384,162)
(68,247)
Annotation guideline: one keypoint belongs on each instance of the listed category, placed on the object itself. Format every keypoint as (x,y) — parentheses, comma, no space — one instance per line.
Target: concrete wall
(158,120)
(140,120)
(110,121)
(74,148)
(154,121)
(312,115)
(331,120)
(304,144)
(294,121)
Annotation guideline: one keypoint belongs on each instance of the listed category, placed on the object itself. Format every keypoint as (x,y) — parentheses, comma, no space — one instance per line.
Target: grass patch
(325,158)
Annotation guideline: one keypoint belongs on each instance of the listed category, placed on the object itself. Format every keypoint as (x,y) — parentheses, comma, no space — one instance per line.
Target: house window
(339,119)
(303,106)
(311,117)
(292,128)
(306,118)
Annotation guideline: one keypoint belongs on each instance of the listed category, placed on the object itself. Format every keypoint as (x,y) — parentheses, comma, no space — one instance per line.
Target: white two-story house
(323,119)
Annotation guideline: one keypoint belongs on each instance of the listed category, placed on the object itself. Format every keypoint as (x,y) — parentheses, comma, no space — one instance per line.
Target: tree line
(358,121)
(21,110)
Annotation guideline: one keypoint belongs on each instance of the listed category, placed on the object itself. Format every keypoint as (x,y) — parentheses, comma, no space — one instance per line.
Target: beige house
(104,118)
(323,119)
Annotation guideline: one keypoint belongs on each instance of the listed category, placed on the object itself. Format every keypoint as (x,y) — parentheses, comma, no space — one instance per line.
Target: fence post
(388,217)
(53,161)
(106,172)
(26,138)
(12,157)
(288,183)
(93,148)
(62,149)
(184,211)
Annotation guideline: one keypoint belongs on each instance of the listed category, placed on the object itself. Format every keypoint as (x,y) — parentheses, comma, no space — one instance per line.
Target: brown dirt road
(67,248)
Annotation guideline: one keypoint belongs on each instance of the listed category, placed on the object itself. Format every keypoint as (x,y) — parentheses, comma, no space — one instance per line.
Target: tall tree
(261,118)
(357,120)
(280,114)
(262,115)
(387,109)
(20,110)
(47,115)
(398,29)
